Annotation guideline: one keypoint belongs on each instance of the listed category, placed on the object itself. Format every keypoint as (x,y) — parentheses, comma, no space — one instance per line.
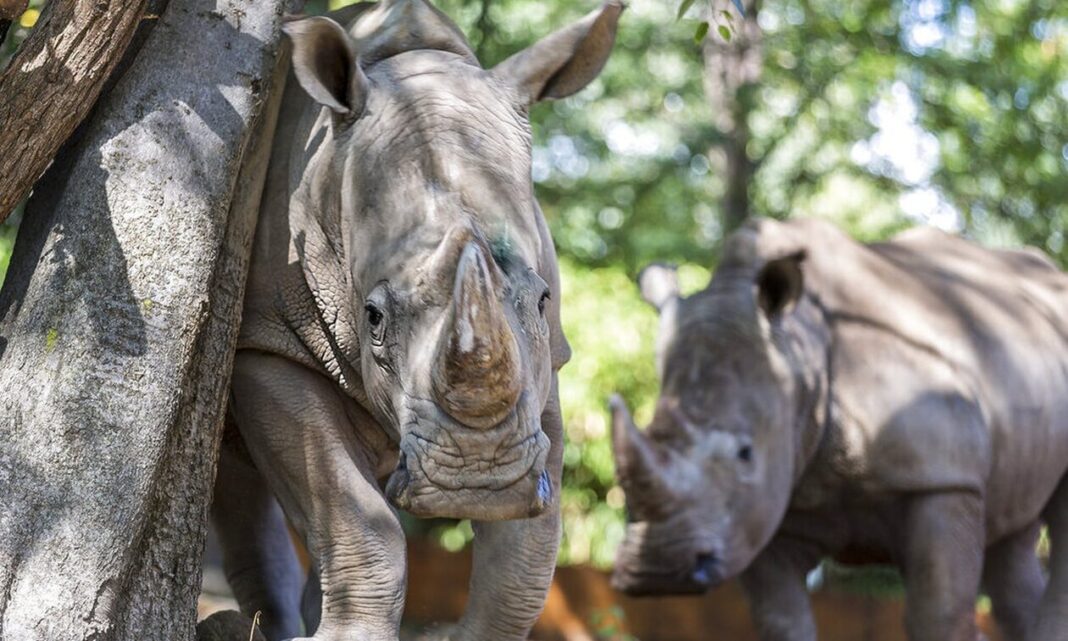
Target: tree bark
(53,82)
(732,76)
(118,320)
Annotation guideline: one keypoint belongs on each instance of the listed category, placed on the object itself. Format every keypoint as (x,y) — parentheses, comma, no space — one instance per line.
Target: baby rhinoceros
(401,331)
(902,402)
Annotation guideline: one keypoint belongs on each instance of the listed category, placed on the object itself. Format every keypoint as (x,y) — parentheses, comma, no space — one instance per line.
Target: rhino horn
(396,26)
(476,376)
(635,454)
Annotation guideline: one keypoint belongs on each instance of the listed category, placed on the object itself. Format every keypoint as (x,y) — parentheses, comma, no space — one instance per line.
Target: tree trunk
(732,74)
(52,83)
(117,327)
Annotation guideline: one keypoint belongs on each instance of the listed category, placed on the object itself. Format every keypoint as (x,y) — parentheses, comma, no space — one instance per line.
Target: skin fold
(401,332)
(899,402)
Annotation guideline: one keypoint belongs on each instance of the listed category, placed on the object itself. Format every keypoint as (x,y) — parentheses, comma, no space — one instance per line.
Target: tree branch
(53,82)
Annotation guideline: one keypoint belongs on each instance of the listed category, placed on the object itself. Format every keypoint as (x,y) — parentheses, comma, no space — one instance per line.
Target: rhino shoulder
(762,239)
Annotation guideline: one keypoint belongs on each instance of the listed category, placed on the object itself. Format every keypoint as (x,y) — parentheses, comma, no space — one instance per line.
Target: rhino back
(949,369)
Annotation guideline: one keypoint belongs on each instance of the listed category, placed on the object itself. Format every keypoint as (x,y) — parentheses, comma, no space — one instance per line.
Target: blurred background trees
(875,114)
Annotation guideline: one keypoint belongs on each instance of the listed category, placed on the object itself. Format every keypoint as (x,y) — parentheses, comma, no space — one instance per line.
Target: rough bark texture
(732,74)
(117,326)
(52,83)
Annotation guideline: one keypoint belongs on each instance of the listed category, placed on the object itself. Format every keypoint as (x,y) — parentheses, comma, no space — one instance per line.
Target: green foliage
(607,624)
(613,331)
(879,581)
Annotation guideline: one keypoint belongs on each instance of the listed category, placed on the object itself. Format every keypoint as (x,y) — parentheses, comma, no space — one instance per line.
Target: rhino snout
(708,570)
(543,496)
(398,488)
(430,481)
(705,571)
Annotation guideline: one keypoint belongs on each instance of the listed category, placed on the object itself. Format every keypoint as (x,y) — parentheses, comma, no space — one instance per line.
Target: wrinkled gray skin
(902,402)
(401,331)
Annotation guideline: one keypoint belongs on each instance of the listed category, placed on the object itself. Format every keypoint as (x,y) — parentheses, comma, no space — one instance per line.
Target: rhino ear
(659,284)
(780,284)
(565,61)
(324,61)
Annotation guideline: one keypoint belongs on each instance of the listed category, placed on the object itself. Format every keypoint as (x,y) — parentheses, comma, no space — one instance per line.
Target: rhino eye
(374,315)
(745,453)
(374,320)
(541,301)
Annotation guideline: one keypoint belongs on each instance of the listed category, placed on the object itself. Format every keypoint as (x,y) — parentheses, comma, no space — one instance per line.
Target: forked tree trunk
(117,327)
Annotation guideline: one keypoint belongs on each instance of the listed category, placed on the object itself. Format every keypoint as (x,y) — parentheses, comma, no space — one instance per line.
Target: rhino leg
(310,442)
(943,561)
(1053,613)
(514,560)
(311,603)
(258,557)
(1012,576)
(778,598)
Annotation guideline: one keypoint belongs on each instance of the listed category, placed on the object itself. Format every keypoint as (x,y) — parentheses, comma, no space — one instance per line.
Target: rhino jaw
(706,572)
(486,496)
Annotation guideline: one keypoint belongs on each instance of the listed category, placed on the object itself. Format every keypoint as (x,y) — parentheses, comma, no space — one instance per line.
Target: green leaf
(702,31)
(684,6)
(724,31)
(727,15)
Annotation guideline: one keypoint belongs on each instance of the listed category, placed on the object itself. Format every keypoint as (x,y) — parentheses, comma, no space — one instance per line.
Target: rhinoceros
(401,331)
(903,402)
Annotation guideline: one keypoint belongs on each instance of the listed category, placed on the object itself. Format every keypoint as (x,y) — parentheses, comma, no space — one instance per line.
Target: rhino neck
(320,244)
(806,343)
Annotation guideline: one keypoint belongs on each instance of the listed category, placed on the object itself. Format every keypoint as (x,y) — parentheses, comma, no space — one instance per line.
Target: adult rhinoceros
(401,323)
(904,401)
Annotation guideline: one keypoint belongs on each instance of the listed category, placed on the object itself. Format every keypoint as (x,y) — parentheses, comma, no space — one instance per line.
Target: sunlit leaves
(722,18)
(702,31)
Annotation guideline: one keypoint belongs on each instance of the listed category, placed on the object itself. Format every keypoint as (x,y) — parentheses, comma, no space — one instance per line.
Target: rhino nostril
(705,568)
(545,486)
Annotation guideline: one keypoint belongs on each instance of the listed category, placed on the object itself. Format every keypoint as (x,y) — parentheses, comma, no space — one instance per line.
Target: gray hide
(899,402)
(401,330)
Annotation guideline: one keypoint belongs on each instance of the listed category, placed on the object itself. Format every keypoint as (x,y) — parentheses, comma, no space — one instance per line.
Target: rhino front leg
(308,441)
(1052,622)
(778,596)
(514,560)
(258,557)
(943,562)
(1012,576)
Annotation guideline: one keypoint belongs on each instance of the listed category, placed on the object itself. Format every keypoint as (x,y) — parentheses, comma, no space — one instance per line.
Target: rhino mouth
(707,573)
(452,471)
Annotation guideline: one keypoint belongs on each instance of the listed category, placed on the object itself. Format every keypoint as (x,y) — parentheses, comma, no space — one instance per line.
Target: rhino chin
(409,488)
(654,584)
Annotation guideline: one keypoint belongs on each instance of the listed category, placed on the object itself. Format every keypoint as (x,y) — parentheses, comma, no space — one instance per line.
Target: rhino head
(707,484)
(422,160)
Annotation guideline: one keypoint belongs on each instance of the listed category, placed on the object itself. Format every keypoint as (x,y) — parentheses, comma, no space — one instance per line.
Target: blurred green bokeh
(875,114)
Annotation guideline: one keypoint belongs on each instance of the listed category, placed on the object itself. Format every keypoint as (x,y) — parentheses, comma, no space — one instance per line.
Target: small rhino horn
(634,453)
